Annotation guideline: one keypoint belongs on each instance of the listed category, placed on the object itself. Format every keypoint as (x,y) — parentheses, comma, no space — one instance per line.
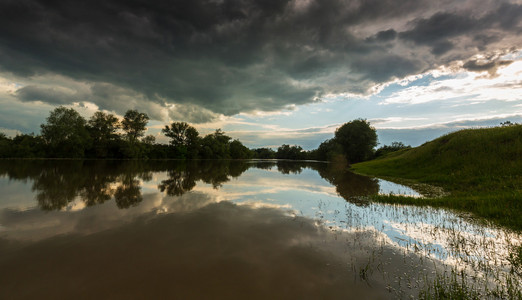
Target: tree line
(66,134)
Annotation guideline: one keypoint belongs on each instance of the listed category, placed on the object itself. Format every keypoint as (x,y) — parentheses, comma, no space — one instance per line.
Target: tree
(102,128)
(264,153)
(181,134)
(216,145)
(328,150)
(65,133)
(357,139)
(5,145)
(184,138)
(134,124)
(239,151)
(290,152)
(507,123)
(149,140)
(27,146)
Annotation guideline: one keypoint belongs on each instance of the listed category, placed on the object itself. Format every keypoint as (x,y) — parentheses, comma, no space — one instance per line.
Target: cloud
(231,56)
(383,36)
(437,29)
(10,132)
(62,91)
(192,113)
(488,66)
(308,138)
(420,135)
(49,95)
(443,29)
(502,84)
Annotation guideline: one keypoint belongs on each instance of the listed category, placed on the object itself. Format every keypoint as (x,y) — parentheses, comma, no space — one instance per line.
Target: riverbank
(480,171)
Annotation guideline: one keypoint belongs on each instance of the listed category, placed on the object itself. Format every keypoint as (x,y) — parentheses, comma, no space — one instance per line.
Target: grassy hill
(481,169)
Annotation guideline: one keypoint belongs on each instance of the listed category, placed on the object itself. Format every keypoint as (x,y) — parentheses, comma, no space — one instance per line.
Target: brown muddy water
(232,230)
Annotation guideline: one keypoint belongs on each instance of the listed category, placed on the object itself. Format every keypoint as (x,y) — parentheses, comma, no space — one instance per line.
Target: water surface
(228,229)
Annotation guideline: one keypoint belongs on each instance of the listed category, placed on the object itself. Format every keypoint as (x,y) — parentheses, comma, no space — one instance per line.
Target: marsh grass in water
(515,258)
(478,172)
(449,287)
(479,169)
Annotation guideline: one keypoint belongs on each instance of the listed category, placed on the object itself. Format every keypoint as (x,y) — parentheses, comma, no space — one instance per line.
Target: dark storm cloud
(438,27)
(482,40)
(49,95)
(383,36)
(437,30)
(236,55)
(489,66)
(192,114)
(386,67)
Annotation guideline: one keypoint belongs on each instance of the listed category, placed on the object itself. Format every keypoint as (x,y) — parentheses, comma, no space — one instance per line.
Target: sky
(267,72)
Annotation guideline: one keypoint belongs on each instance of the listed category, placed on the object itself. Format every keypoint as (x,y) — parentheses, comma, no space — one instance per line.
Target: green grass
(480,169)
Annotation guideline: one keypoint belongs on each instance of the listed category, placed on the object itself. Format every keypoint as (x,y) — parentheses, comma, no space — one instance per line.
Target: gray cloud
(107,96)
(438,30)
(238,55)
(490,66)
(192,113)
(383,36)
(44,94)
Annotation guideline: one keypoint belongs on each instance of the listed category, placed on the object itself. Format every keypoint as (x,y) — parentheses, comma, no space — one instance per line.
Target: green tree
(328,150)
(181,134)
(184,138)
(216,145)
(290,152)
(134,124)
(5,145)
(264,153)
(149,140)
(27,146)
(65,133)
(102,128)
(357,139)
(239,151)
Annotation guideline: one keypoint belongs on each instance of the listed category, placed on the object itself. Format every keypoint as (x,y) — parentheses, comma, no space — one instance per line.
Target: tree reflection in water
(352,187)
(58,183)
(128,193)
(289,167)
(180,181)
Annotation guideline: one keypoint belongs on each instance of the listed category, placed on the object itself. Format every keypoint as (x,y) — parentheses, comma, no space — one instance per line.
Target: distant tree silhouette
(181,134)
(264,153)
(65,133)
(290,152)
(149,139)
(239,151)
(395,146)
(134,124)
(102,128)
(357,139)
(216,145)
(328,149)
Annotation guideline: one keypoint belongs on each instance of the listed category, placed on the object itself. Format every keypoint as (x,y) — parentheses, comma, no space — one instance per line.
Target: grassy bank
(480,169)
